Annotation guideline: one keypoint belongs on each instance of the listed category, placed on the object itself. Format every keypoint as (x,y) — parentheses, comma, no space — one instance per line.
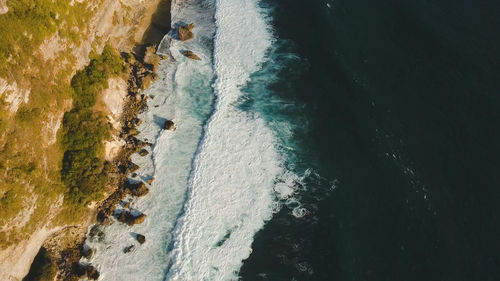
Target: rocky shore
(142,71)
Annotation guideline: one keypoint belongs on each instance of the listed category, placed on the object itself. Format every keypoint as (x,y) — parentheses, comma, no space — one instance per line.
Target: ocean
(321,140)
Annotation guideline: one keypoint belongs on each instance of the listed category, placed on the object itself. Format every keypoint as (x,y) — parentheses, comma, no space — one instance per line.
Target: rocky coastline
(142,71)
(64,250)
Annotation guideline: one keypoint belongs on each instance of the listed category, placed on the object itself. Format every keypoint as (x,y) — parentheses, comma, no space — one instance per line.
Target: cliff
(45,44)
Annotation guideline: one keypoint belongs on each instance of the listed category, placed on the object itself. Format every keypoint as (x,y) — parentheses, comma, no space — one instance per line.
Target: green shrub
(94,78)
(83,131)
(83,170)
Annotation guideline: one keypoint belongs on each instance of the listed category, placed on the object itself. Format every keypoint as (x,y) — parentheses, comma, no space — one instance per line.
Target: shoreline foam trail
(183,94)
(231,190)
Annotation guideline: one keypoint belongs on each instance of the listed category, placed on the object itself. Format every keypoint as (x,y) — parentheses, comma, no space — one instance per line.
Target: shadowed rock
(130,219)
(128,249)
(169,125)
(191,55)
(86,251)
(141,238)
(137,189)
(151,59)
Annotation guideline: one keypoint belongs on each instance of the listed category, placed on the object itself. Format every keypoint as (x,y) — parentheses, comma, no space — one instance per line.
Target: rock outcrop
(151,59)
(191,55)
(129,218)
(169,125)
(185,32)
(137,189)
(141,238)
(85,271)
(92,273)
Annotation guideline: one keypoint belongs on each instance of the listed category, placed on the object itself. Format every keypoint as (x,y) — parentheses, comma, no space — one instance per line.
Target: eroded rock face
(13,94)
(191,55)
(151,59)
(185,32)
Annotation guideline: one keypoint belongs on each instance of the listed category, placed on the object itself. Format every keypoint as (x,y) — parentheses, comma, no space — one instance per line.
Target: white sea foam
(232,187)
(238,179)
(183,94)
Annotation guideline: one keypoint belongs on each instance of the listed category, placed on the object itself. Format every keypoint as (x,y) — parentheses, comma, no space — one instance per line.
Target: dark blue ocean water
(397,109)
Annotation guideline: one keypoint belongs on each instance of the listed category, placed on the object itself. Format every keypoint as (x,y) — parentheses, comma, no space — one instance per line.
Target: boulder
(191,55)
(137,219)
(143,152)
(136,189)
(132,167)
(141,238)
(150,181)
(169,125)
(185,32)
(92,273)
(130,219)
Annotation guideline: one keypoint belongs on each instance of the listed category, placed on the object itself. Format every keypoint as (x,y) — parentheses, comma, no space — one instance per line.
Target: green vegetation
(84,129)
(94,78)
(35,171)
(29,22)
